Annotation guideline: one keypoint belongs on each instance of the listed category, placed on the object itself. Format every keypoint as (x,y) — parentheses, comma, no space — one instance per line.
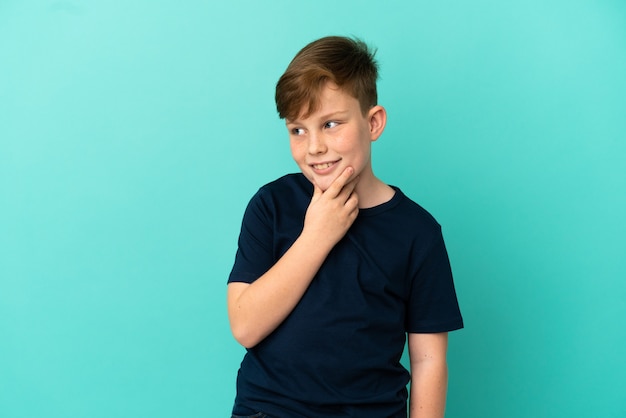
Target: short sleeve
(254,252)
(433,305)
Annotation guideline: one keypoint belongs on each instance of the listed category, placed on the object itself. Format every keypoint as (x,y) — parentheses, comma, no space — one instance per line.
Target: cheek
(357,149)
(296,150)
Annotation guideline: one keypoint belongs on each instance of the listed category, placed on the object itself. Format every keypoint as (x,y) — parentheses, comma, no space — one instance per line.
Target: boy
(334,267)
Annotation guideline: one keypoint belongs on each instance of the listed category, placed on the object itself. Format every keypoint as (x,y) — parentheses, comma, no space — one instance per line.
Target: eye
(297,131)
(330,124)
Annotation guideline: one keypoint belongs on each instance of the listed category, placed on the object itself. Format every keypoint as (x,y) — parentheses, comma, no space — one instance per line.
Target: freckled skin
(340,134)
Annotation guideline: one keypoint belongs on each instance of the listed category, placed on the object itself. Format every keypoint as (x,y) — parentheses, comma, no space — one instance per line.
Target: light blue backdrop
(133,133)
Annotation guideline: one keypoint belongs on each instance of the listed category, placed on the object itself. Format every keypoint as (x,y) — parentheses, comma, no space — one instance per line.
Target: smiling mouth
(323,166)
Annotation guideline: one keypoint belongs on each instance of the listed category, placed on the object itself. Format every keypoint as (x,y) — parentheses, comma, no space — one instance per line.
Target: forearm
(429,385)
(256,310)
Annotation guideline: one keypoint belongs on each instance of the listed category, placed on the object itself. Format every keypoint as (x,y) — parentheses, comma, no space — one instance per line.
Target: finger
(349,189)
(352,201)
(317,192)
(337,185)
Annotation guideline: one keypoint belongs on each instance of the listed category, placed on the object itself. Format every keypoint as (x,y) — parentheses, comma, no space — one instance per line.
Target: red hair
(348,63)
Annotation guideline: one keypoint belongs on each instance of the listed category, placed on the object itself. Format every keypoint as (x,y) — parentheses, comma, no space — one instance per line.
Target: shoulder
(399,223)
(287,186)
(414,216)
(292,191)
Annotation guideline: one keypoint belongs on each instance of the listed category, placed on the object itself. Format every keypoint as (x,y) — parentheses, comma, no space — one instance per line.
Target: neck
(373,192)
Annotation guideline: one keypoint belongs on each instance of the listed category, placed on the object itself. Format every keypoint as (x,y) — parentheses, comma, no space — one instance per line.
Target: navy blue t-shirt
(338,353)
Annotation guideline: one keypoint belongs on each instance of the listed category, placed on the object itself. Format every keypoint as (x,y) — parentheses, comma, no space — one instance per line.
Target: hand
(331,213)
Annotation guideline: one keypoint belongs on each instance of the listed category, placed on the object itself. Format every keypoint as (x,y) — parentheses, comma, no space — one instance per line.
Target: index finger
(338,184)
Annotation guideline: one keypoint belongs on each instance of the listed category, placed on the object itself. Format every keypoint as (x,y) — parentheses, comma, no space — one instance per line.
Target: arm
(429,374)
(256,309)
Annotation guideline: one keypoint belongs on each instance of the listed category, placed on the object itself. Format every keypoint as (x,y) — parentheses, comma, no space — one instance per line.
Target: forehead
(331,99)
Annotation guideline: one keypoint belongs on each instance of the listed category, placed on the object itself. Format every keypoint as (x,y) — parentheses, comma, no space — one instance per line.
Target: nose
(316,143)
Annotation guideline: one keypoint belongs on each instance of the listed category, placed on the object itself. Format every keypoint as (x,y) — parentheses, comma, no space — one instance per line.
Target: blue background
(133,133)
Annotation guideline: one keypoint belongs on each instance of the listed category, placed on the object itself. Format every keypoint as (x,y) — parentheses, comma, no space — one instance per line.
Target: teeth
(322,166)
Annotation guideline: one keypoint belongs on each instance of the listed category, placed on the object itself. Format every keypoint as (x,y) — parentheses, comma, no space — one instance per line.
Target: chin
(322,183)
(324,186)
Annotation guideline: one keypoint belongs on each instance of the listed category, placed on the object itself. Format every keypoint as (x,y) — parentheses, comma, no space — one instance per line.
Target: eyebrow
(330,115)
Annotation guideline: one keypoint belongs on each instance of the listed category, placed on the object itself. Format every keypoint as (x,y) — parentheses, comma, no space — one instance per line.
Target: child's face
(332,138)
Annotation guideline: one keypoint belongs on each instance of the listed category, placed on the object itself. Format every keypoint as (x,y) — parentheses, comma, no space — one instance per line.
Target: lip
(324,167)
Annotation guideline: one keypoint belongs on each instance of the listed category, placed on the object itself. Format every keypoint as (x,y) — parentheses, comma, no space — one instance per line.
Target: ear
(377,119)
